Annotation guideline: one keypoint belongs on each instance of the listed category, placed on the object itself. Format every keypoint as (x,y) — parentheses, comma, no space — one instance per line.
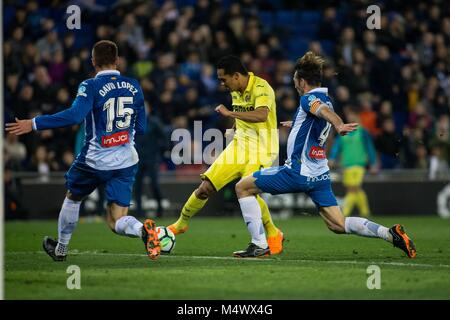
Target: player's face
(230,82)
(299,84)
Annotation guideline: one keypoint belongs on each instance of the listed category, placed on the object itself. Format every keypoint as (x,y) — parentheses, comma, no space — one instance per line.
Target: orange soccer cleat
(276,243)
(401,240)
(150,238)
(176,231)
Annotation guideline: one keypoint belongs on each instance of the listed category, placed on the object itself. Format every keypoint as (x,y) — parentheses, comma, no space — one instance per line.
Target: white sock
(251,211)
(129,226)
(67,221)
(366,228)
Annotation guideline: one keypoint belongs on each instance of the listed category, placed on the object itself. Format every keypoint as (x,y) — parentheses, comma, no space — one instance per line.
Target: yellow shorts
(235,162)
(353,176)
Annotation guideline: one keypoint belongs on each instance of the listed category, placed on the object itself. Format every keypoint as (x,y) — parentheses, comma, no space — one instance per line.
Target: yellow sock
(269,226)
(190,208)
(363,204)
(349,202)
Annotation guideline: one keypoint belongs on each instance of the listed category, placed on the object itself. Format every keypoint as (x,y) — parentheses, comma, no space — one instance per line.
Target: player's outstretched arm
(341,127)
(81,106)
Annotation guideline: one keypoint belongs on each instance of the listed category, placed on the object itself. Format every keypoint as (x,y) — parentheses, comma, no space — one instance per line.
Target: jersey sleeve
(263,96)
(81,106)
(141,117)
(311,103)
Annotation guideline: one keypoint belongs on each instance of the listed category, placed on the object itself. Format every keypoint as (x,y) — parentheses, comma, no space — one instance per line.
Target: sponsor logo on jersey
(325,176)
(115,139)
(243,108)
(317,153)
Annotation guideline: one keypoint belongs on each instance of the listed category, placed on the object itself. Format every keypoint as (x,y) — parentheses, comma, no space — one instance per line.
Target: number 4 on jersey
(324,134)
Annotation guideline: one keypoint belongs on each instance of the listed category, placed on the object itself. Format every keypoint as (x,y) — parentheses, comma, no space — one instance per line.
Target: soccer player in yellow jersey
(254,146)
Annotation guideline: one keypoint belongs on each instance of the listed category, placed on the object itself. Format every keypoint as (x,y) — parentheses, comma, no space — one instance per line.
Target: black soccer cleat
(252,251)
(401,240)
(49,246)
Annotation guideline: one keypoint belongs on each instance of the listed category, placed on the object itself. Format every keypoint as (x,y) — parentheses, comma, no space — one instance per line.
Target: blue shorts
(279,180)
(81,180)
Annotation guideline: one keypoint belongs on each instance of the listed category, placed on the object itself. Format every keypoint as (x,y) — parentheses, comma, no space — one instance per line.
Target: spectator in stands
(14,151)
(40,163)
(57,68)
(49,45)
(43,89)
(388,144)
(329,27)
(367,116)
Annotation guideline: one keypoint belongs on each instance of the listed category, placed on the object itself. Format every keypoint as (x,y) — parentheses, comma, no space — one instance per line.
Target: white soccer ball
(166,239)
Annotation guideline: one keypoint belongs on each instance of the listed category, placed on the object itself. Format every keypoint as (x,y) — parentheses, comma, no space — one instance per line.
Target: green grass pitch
(316,264)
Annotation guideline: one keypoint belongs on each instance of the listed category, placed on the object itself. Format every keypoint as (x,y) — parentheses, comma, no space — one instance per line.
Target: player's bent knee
(205,190)
(240,189)
(245,188)
(73,197)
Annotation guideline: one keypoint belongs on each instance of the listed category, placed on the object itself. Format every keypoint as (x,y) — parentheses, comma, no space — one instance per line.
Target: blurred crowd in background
(396,79)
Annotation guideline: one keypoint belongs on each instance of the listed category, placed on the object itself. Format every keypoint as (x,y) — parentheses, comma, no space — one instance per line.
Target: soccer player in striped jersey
(306,168)
(112,107)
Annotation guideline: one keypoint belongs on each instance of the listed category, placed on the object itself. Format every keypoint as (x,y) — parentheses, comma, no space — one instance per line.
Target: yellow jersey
(259,137)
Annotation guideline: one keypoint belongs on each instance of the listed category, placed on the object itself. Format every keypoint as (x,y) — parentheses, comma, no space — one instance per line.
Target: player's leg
(362,203)
(269,226)
(80,181)
(324,198)
(274,235)
(220,173)
(350,198)
(118,193)
(356,180)
(194,204)
(275,180)
(246,191)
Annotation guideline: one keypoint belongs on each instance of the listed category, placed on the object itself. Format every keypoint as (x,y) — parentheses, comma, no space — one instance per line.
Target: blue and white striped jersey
(306,141)
(112,107)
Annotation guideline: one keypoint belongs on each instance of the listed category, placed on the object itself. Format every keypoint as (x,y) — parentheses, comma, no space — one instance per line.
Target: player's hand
(223,110)
(287,124)
(345,128)
(20,127)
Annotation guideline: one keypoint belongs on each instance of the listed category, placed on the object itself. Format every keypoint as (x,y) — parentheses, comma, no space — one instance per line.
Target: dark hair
(231,64)
(105,53)
(309,67)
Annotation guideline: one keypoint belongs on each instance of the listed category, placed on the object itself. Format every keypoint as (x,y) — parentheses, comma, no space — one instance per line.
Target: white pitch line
(96,253)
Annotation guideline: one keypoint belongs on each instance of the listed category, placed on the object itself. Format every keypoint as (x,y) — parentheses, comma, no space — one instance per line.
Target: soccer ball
(166,239)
